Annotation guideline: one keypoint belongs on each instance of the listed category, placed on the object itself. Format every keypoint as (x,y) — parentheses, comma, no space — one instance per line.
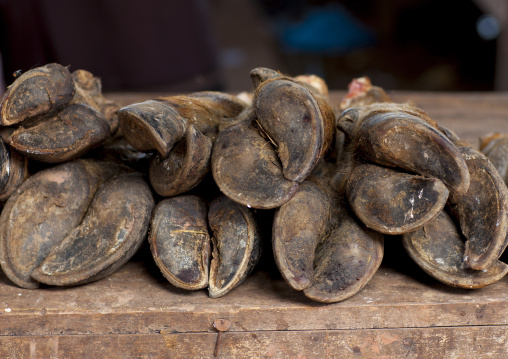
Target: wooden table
(136,313)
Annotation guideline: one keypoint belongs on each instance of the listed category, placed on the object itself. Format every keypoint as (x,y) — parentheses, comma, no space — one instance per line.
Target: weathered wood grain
(427,343)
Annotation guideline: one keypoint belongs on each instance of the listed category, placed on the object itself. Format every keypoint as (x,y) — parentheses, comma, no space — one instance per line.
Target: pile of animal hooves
(84,183)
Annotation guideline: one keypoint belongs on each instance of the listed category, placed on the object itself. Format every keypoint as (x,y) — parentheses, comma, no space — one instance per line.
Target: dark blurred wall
(174,45)
(132,45)
(400,44)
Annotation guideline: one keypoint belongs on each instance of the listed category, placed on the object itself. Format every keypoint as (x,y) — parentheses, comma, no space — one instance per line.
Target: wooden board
(456,342)
(136,313)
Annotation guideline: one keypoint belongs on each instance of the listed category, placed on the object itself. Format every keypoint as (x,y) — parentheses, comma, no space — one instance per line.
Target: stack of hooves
(181,131)
(55,116)
(339,184)
(406,175)
(402,167)
(66,221)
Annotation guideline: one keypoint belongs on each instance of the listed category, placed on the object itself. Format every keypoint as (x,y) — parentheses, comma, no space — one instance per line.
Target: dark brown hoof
(438,248)
(180,242)
(113,229)
(151,125)
(184,168)
(237,246)
(299,123)
(43,211)
(247,169)
(66,135)
(345,262)
(396,136)
(37,92)
(482,211)
(394,202)
(298,226)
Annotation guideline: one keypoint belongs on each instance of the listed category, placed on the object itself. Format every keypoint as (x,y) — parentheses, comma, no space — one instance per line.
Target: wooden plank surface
(136,300)
(416,343)
(136,310)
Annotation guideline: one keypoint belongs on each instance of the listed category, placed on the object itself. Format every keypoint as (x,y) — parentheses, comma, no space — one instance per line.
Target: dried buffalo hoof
(63,136)
(113,229)
(394,202)
(299,122)
(180,242)
(237,246)
(43,211)
(13,170)
(482,211)
(247,169)
(37,92)
(151,125)
(185,166)
(260,157)
(345,261)
(438,248)
(400,136)
(298,227)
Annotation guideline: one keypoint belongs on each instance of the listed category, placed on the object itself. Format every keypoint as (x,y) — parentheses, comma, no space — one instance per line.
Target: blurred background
(192,45)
